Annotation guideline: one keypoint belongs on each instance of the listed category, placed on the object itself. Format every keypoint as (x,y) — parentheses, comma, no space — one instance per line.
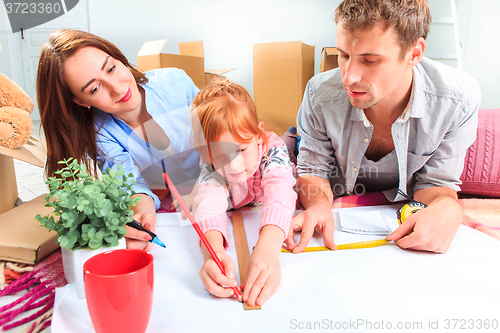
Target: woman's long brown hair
(69,128)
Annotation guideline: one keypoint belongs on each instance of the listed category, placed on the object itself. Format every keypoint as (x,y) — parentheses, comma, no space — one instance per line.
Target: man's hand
(316,196)
(315,217)
(432,228)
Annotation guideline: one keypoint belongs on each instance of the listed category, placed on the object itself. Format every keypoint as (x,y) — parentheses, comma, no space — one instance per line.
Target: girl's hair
(69,128)
(223,106)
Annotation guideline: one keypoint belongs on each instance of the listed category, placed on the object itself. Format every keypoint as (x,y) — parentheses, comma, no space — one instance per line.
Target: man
(386,119)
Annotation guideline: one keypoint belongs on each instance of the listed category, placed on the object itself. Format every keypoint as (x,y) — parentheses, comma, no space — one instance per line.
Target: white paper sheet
(328,288)
(363,223)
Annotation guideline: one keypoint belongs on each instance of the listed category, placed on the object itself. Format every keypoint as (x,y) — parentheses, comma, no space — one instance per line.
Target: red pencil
(177,196)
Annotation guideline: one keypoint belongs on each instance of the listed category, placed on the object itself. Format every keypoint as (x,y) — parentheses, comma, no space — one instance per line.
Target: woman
(96,107)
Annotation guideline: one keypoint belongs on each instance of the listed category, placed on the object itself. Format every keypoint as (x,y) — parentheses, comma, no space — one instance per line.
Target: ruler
(242,252)
(357,245)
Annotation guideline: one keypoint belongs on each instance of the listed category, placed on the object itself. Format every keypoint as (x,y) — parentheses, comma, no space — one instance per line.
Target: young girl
(240,164)
(95,106)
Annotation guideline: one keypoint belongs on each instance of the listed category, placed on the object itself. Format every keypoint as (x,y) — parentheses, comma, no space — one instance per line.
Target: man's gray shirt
(430,144)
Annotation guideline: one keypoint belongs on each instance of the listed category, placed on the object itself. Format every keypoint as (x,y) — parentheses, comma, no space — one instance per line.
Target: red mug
(119,290)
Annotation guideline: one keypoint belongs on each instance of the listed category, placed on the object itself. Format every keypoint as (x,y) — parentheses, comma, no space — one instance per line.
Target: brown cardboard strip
(22,238)
(242,251)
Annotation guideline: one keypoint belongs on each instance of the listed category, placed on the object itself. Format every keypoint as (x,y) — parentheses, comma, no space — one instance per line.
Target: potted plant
(92,214)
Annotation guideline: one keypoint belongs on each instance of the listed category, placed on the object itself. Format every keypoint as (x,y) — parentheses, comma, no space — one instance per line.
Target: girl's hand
(217,283)
(139,239)
(264,270)
(264,277)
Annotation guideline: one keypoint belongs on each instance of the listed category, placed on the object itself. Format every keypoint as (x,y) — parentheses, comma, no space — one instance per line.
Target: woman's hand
(188,200)
(190,204)
(139,239)
(145,214)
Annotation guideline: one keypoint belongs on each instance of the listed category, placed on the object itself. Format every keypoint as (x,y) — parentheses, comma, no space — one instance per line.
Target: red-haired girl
(241,164)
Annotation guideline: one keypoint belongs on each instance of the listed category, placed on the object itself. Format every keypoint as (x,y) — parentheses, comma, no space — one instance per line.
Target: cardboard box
(212,75)
(191,59)
(329,59)
(9,184)
(22,238)
(32,152)
(280,73)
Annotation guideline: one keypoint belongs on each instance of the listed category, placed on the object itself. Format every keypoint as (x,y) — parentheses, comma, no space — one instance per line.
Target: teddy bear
(15,109)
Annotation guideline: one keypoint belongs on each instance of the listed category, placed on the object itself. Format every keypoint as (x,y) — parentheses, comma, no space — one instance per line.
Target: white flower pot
(73,261)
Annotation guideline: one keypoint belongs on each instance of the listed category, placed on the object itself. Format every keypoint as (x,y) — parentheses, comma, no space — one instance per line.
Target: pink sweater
(271,185)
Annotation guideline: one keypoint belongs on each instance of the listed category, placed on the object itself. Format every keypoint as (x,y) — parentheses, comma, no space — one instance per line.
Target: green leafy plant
(92,213)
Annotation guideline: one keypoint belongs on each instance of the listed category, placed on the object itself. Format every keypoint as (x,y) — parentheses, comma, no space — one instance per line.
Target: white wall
(229,28)
(483,49)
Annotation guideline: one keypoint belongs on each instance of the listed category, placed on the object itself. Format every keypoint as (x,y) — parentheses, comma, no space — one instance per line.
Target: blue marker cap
(154,239)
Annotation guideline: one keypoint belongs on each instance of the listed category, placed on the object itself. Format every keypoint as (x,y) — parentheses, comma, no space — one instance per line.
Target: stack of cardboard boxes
(280,73)
(191,60)
(329,59)
(32,152)
(22,239)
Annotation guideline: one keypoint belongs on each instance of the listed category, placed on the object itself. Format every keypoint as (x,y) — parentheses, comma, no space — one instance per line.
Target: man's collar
(405,115)
(417,99)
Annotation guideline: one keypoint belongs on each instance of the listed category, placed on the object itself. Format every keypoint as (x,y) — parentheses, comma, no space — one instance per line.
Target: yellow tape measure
(357,245)
(408,209)
(402,214)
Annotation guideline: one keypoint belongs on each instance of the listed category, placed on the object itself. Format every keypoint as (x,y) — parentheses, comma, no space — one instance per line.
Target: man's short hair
(410,19)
